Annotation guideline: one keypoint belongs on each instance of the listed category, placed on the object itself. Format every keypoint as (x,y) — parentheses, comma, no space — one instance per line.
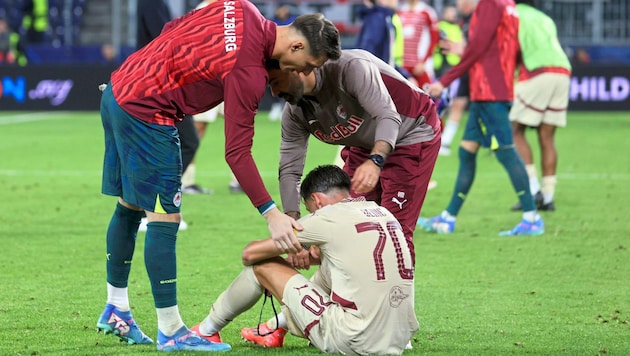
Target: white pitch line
(29,117)
(97,173)
(41,173)
(566,176)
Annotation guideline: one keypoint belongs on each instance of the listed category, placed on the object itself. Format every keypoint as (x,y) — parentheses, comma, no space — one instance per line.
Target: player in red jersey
(205,57)
(491,56)
(421,36)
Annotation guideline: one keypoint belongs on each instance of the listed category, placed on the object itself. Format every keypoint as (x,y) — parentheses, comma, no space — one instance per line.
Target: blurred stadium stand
(601,27)
(79,28)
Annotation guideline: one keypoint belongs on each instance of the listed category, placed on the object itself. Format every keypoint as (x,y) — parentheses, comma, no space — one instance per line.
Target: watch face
(378,160)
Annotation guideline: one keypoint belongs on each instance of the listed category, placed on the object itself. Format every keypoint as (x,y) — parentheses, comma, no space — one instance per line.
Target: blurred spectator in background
(377,34)
(442,61)
(35,20)
(152,15)
(581,56)
(382,34)
(449,30)
(283,15)
(109,55)
(10,46)
(421,35)
(459,89)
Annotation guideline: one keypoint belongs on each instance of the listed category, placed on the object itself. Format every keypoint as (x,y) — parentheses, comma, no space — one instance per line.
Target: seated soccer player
(360,301)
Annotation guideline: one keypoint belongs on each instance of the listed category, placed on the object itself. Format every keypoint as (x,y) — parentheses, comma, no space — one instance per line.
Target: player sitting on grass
(360,301)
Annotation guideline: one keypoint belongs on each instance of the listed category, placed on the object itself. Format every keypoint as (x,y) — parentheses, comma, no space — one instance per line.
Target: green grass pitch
(564,293)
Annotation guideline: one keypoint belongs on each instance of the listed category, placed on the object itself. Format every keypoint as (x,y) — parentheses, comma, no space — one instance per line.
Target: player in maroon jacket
(207,56)
(491,56)
(388,127)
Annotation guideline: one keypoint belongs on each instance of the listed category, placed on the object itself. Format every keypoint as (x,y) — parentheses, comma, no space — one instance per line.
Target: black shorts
(464,87)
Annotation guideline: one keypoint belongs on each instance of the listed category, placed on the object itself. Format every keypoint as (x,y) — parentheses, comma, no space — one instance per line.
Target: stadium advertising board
(51,87)
(593,88)
(600,88)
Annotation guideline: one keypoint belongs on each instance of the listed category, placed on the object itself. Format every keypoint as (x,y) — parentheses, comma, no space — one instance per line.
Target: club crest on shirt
(177,199)
(341,112)
(396,296)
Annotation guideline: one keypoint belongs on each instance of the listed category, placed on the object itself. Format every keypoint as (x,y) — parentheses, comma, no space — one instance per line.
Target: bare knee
(470,146)
(261,269)
(273,274)
(518,129)
(457,109)
(545,138)
(267,266)
(127,205)
(174,217)
(546,132)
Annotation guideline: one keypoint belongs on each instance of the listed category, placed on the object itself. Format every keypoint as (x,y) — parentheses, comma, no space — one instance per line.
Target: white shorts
(453,89)
(310,313)
(541,99)
(210,115)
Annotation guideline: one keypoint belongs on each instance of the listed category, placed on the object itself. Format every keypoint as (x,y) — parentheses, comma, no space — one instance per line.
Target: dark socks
(160,261)
(465,178)
(513,164)
(121,242)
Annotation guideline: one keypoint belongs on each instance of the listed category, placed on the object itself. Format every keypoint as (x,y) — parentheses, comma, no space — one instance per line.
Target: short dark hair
(324,179)
(272,64)
(321,34)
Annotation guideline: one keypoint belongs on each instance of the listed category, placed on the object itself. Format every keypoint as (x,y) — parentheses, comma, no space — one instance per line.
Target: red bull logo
(340,131)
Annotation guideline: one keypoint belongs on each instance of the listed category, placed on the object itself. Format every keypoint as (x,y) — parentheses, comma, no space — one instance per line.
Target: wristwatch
(378,160)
